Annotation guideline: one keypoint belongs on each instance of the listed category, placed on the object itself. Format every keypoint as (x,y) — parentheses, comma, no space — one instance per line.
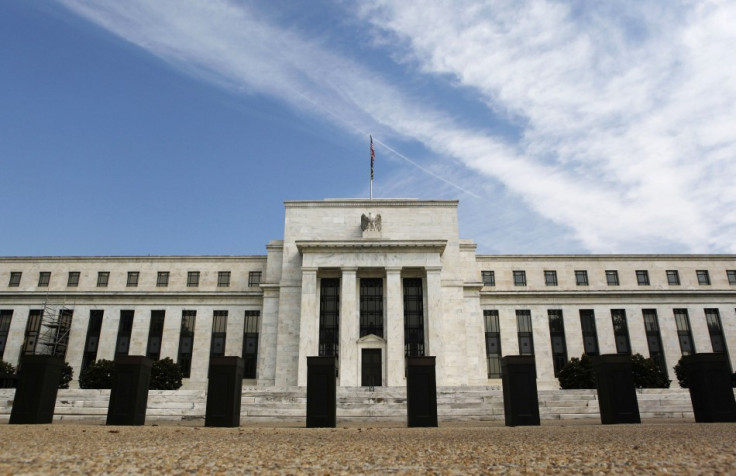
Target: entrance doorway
(371,368)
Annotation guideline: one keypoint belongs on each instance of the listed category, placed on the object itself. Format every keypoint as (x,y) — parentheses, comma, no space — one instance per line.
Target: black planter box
(129,393)
(709,381)
(520,400)
(321,392)
(35,396)
(616,390)
(224,389)
(421,392)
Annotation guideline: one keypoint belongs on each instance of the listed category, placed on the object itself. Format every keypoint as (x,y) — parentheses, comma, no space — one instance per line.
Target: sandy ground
(658,447)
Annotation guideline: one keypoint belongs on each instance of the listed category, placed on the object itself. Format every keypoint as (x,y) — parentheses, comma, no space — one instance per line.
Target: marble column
(308,323)
(349,328)
(434,320)
(394,329)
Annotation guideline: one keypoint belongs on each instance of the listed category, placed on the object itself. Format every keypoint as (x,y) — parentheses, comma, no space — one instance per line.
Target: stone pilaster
(434,319)
(308,323)
(349,328)
(394,329)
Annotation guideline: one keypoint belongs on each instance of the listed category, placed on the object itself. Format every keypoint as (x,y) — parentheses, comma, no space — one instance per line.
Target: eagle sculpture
(370,222)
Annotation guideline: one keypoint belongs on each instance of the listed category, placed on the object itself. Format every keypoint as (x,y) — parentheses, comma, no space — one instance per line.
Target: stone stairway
(288,404)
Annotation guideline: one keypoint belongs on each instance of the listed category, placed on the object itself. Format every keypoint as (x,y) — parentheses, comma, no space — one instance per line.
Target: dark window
(250,343)
(186,342)
(192,279)
(731,274)
(685,336)
(219,333)
(162,279)
(371,306)
(550,278)
(557,336)
(590,334)
(6,315)
(125,329)
(102,279)
(58,338)
(717,339)
(14,279)
(621,331)
(73,279)
(703,276)
(654,339)
(493,343)
(155,334)
(92,343)
(43,278)
(223,279)
(489,278)
(33,328)
(254,279)
(329,317)
(526,338)
(673,277)
(519,278)
(132,279)
(413,318)
(612,277)
(642,277)
(581,278)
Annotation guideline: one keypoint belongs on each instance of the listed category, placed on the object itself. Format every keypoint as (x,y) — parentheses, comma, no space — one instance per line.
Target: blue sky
(180,126)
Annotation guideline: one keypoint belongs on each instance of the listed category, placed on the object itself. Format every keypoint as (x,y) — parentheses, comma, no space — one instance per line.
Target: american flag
(373,156)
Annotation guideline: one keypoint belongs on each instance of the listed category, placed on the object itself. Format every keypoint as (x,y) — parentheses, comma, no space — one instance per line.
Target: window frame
(103,279)
(519,277)
(162,279)
(612,277)
(254,278)
(192,279)
(703,277)
(132,279)
(488,278)
(673,277)
(15,277)
(550,277)
(581,277)
(223,279)
(72,280)
(731,276)
(642,277)
(44,278)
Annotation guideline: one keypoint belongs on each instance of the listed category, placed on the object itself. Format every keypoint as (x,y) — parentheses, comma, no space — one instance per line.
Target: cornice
(604,257)
(368,203)
(618,294)
(124,259)
(417,246)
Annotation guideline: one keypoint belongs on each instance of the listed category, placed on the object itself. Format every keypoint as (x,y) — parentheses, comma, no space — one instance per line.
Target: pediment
(371,339)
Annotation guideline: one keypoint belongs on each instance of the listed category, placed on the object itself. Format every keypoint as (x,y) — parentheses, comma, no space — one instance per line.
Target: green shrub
(165,375)
(98,374)
(681,374)
(647,374)
(67,373)
(6,368)
(577,373)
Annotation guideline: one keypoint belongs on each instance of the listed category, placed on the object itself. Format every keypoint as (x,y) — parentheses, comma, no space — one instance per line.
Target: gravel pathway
(553,448)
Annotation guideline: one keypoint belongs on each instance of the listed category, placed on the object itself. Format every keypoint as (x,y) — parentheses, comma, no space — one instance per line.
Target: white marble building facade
(369,291)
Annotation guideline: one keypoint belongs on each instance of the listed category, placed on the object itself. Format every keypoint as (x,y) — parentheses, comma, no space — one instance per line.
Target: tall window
(162,279)
(684,334)
(703,277)
(329,317)
(219,333)
(254,279)
(621,331)
(43,279)
(673,277)
(731,275)
(717,339)
(654,339)
(14,279)
(6,315)
(581,277)
(371,306)
(550,278)
(192,279)
(73,279)
(250,343)
(155,334)
(33,328)
(590,334)
(186,342)
(493,343)
(519,278)
(92,342)
(524,326)
(413,318)
(489,278)
(132,279)
(103,277)
(642,277)
(612,277)
(557,336)
(125,329)
(223,279)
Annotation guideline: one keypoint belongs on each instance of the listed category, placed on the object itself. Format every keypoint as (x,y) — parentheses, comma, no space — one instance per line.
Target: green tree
(98,374)
(6,368)
(577,373)
(165,375)
(67,373)
(647,373)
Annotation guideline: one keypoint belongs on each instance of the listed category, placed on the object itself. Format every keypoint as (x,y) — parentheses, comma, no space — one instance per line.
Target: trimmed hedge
(165,375)
(578,373)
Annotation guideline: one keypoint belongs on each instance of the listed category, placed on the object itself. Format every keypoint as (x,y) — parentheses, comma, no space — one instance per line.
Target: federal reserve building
(370,282)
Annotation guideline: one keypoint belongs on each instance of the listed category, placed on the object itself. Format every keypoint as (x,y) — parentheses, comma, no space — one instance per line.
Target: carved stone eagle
(370,222)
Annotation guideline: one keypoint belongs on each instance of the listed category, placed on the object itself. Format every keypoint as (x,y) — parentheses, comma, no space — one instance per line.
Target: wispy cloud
(626,113)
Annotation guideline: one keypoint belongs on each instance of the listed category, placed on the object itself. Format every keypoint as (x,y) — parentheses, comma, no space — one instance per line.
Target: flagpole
(373,157)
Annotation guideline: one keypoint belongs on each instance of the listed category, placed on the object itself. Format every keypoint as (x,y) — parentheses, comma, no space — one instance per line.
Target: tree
(67,373)
(98,374)
(577,373)
(6,368)
(681,374)
(647,373)
(165,375)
